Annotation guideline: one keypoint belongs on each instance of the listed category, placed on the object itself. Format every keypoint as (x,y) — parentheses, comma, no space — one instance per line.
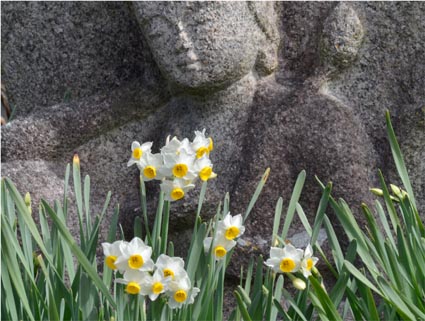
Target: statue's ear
(266,19)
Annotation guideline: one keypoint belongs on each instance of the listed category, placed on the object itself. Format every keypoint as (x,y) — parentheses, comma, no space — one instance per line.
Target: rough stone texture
(62,51)
(340,66)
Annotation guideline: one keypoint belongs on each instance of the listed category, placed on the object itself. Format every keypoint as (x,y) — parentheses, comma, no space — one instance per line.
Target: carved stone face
(200,46)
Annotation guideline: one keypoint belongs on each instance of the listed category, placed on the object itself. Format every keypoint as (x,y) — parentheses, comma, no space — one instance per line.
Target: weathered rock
(340,66)
(58,52)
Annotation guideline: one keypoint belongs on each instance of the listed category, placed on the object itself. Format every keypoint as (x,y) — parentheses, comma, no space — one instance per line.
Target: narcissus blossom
(150,166)
(180,293)
(231,226)
(171,266)
(219,246)
(308,261)
(285,260)
(179,165)
(133,279)
(111,252)
(137,152)
(154,285)
(175,189)
(136,255)
(202,145)
(203,166)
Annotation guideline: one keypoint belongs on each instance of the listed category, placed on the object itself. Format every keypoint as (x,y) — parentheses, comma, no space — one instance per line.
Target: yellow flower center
(180,170)
(205,173)
(180,296)
(177,194)
(201,151)
(220,251)
(168,272)
(211,145)
(149,172)
(231,233)
(110,262)
(287,264)
(309,264)
(137,153)
(157,288)
(132,288)
(135,261)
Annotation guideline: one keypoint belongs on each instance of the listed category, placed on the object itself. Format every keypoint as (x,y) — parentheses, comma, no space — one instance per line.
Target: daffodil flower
(220,246)
(308,261)
(231,226)
(134,280)
(175,146)
(202,145)
(285,260)
(204,168)
(135,256)
(175,189)
(154,285)
(179,165)
(111,252)
(150,166)
(180,293)
(137,152)
(171,266)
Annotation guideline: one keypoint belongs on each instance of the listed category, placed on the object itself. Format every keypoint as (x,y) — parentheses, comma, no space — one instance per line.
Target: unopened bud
(396,190)
(377,191)
(315,271)
(76,160)
(404,194)
(299,284)
(112,319)
(27,200)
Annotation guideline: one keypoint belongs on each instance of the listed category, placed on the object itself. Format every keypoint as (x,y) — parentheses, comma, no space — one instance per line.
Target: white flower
(154,285)
(150,166)
(135,256)
(171,266)
(179,165)
(137,151)
(175,189)
(134,280)
(231,226)
(285,260)
(175,146)
(220,246)
(111,252)
(180,292)
(201,144)
(203,168)
(308,261)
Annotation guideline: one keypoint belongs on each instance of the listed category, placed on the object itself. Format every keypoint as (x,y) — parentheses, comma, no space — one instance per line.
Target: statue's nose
(183,43)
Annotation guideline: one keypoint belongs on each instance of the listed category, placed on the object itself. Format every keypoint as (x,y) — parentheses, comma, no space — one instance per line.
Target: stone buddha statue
(218,61)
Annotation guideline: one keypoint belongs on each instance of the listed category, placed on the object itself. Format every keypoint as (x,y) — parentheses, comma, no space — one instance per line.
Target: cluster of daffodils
(178,164)
(166,277)
(226,231)
(291,260)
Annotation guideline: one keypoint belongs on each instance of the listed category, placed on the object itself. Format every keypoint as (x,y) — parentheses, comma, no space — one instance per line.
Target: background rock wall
(77,59)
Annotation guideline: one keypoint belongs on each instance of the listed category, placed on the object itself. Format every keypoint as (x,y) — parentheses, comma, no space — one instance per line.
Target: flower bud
(396,190)
(76,160)
(377,191)
(28,202)
(299,284)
